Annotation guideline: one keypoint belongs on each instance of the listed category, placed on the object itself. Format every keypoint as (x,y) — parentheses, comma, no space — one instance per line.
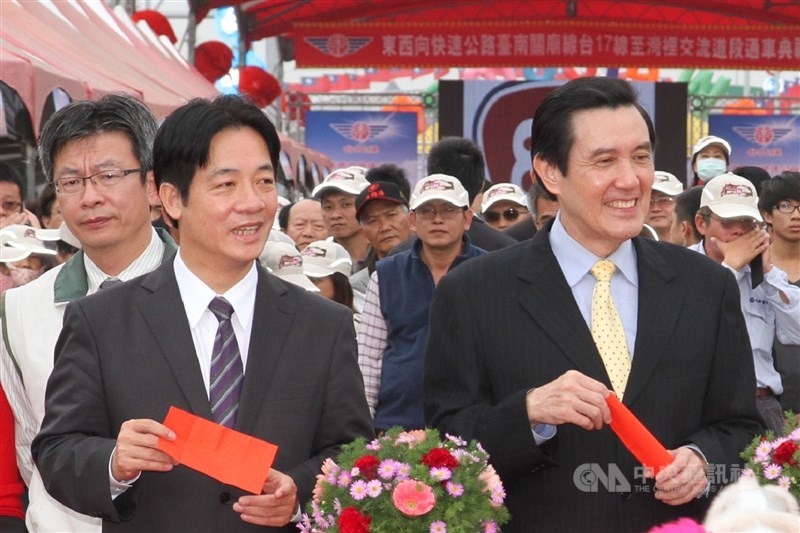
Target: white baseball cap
(283,260)
(62,233)
(709,140)
(503,191)
(350,180)
(18,241)
(439,187)
(324,258)
(667,183)
(731,196)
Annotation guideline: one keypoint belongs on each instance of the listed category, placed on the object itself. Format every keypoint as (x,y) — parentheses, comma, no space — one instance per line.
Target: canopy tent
(267,18)
(86,50)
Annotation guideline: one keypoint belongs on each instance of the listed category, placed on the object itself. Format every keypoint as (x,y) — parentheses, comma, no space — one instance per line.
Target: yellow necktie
(607,330)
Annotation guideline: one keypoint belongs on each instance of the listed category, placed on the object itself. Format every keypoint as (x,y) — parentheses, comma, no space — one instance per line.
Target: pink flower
(316,493)
(772,471)
(454,489)
(682,525)
(413,498)
(412,437)
(329,467)
(490,478)
(358,490)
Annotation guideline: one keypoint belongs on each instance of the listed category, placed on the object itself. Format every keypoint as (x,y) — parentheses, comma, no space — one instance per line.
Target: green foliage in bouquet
(776,461)
(410,481)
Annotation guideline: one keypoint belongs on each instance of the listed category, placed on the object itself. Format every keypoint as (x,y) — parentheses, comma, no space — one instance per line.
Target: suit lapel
(548,300)
(660,303)
(165,315)
(272,318)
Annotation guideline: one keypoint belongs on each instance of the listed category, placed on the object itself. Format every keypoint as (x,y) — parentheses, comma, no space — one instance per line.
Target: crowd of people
(159,268)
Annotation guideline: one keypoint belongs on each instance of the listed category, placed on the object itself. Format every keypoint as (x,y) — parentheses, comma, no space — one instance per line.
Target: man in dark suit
(128,353)
(512,359)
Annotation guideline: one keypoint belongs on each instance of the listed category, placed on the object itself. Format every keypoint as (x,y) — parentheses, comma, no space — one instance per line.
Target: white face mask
(710,168)
(22,276)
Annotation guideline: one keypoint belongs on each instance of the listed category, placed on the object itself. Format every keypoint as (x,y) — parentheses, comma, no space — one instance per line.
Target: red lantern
(213,59)
(157,22)
(258,85)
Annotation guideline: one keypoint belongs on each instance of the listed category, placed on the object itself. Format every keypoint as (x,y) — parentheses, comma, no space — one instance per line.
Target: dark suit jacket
(521,231)
(507,322)
(127,353)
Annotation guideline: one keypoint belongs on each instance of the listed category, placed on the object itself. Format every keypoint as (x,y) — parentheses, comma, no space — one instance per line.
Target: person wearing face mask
(23,257)
(710,158)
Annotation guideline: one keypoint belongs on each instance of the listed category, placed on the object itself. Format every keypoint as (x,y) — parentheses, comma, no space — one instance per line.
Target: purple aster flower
(454,489)
(344,479)
(785,482)
(374,446)
(497,495)
(387,468)
(355,471)
(358,490)
(772,471)
(438,527)
(374,488)
(458,441)
(490,527)
(403,471)
(441,474)
(337,505)
(406,438)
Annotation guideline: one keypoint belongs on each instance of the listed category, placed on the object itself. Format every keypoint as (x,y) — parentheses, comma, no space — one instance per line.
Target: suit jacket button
(225,498)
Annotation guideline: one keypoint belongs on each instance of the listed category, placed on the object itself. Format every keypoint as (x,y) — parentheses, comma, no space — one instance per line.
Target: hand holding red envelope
(641,443)
(221,453)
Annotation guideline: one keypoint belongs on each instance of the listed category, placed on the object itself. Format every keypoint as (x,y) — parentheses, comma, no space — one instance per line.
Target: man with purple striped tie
(211,333)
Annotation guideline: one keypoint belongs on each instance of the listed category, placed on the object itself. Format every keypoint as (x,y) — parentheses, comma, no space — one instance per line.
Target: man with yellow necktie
(526,343)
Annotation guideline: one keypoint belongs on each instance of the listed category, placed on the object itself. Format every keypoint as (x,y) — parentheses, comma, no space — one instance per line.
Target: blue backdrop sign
(768,141)
(365,138)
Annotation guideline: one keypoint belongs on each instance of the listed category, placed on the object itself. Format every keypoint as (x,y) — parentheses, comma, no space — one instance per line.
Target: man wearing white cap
(503,205)
(710,158)
(23,256)
(666,188)
(97,155)
(731,225)
(394,324)
(338,197)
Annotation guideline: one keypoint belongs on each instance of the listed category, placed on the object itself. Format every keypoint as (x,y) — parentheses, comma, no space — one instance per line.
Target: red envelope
(641,443)
(218,452)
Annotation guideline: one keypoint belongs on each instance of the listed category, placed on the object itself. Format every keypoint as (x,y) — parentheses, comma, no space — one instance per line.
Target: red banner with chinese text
(546,44)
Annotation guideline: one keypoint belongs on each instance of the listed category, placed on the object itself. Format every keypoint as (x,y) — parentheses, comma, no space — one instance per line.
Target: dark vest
(406,292)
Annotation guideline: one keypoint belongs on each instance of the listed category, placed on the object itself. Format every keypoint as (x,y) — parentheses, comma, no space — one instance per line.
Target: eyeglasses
(10,205)
(448,212)
(662,202)
(732,223)
(509,214)
(784,207)
(104,180)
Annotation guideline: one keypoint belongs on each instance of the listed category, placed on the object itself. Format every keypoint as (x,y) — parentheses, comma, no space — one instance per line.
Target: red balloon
(258,85)
(157,22)
(213,59)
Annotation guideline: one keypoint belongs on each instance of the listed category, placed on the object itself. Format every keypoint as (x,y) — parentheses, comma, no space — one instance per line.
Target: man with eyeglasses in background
(394,324)
(504,205)
(12,209)
(97,155)
(666,188)
(780,206)
(733,235)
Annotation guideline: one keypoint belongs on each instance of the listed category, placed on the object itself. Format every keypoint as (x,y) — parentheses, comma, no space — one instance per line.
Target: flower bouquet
(407,481)
(776,461)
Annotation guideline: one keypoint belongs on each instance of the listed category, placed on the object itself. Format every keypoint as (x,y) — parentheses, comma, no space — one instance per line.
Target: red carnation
(368,465)
(352,521)
(784,452)
(440,458)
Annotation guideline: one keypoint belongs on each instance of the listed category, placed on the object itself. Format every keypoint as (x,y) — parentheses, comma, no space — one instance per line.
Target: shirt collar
(196,295)
(576,261)
(148,260)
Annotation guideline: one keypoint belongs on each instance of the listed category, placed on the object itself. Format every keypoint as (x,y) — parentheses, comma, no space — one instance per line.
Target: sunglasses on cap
(509,214)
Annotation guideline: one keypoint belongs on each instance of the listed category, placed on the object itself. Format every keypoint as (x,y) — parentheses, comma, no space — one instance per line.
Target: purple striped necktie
(227,372)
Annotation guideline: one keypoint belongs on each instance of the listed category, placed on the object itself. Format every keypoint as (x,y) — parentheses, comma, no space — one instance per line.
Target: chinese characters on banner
(559,43)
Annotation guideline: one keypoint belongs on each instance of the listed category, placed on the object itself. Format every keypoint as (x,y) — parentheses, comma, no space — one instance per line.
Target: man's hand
(573,398)
(24,217)
(275,507)
(136,449)
(740,251)
(682,480)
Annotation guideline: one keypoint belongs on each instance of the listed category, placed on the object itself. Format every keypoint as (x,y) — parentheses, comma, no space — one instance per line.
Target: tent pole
(191,32)
(242,24)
